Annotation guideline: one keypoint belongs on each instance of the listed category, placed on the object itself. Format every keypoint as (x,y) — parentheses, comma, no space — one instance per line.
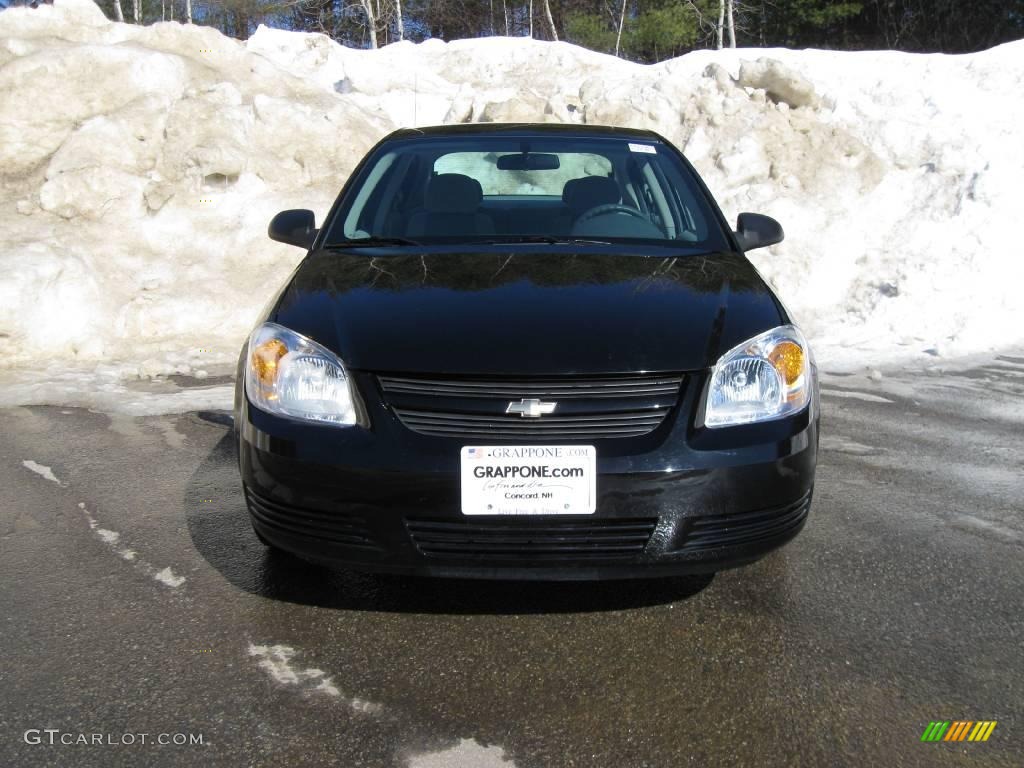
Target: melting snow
(866,396)
(41,470)
(141,164)
(842,445)
(977,524)
(276,661)
(108,537)
(112,539)
(468,753)
(167,577)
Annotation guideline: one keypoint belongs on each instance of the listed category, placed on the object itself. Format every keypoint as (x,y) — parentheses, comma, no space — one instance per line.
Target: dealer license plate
(529,480)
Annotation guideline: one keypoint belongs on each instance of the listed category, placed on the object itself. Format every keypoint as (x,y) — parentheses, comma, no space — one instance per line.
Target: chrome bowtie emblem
(530,408)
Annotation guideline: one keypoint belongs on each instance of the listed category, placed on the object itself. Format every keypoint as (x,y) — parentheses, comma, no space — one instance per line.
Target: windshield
(507,188)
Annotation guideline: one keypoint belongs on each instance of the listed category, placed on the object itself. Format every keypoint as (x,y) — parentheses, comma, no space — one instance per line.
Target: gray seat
(581,195)
(451,206)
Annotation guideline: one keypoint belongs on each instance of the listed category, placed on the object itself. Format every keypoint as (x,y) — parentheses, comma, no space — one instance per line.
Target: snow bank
(139,167)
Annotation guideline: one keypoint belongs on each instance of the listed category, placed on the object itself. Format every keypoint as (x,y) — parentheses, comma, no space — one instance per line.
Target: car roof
(525,129)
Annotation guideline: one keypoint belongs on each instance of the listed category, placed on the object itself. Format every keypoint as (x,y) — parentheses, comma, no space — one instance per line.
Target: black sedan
(526,351)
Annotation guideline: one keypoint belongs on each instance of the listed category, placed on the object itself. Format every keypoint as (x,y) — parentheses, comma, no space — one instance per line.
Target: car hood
(526,313)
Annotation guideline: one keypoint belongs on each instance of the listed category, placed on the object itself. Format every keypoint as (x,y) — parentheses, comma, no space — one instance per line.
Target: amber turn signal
(788,359)
(265,358)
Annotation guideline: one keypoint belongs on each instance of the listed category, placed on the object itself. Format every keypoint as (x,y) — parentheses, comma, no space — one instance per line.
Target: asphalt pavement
(137,607)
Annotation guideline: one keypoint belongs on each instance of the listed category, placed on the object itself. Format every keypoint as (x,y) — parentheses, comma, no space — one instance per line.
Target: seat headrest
(453,193)
(590,191)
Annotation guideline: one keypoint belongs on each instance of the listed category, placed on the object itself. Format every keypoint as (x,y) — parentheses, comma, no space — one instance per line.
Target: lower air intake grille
(333,527)
(583,408)
(711,531)
(512,540)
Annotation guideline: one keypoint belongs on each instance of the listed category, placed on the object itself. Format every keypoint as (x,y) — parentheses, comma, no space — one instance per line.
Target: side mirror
(295,227)
(756,231)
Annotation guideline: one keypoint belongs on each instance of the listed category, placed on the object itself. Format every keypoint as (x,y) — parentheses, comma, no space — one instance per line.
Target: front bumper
(681,500)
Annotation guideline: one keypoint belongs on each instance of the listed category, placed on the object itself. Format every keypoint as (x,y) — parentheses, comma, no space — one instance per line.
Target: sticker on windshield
(647,148)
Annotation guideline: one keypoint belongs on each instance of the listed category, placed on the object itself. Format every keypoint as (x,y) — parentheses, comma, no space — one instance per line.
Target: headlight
(766,377)
(290,375)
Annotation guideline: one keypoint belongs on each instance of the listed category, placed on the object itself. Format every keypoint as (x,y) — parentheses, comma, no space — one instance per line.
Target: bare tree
(371,20)
(703,24)
(730,23)
(188,11)
(720,25)
(118,13)
(137,11)
(622,20)
(531,18)
(398,16)
(551,20)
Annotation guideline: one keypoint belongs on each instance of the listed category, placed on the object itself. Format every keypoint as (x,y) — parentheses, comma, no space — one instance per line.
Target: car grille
(712,531)
(531,540)
(332,527)
(588,408)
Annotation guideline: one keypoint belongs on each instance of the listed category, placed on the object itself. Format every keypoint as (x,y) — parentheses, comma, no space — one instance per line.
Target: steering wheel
(601,210)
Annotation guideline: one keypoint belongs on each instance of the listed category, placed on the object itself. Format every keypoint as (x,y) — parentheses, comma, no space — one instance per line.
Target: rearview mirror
(528,161)
(295,227)
(756,231)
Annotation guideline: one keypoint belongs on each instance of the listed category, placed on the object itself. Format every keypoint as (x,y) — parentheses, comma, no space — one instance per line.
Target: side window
(692,225)
(662,192)
(666,199)
(640,179)
(687,224)
(355,220)
(380,202)
(647,193)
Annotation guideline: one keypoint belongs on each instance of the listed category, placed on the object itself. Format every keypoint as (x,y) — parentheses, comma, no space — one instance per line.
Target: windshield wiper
(549,239)
(371,242)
